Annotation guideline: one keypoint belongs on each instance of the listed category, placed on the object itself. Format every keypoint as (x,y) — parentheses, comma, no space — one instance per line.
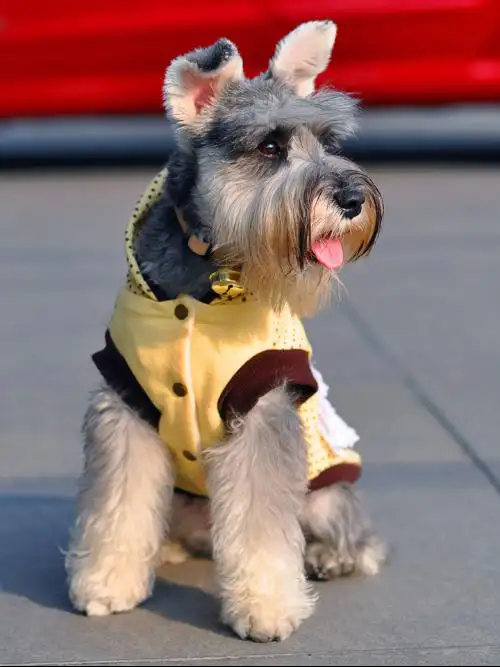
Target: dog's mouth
(328,252)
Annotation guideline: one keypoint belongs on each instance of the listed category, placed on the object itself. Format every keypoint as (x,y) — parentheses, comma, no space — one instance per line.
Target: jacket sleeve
(264,372)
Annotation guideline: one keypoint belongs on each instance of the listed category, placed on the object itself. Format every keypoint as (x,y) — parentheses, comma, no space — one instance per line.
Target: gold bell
(225,283)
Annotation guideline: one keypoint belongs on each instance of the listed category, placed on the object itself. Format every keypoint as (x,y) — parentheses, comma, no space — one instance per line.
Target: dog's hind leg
(189,533)
(340,537)
(257,482)
(122,511)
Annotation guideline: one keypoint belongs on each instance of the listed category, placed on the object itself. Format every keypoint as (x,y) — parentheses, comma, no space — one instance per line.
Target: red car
(99,57)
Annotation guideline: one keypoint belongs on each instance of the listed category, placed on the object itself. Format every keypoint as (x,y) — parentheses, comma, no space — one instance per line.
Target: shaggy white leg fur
(122,509)
(257,481)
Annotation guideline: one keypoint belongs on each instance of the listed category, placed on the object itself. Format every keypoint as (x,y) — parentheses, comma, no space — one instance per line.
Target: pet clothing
(189,367)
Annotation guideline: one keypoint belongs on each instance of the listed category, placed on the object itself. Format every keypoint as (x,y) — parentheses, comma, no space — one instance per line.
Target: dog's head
(257,172)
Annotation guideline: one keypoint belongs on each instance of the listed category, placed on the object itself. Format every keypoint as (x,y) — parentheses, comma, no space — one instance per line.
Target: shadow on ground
(34,533)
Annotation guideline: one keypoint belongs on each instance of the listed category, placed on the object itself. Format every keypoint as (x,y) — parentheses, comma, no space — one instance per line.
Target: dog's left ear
(196,79)
(303,54)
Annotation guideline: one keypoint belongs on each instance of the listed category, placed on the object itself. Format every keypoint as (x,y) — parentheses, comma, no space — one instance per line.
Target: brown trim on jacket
(264,372)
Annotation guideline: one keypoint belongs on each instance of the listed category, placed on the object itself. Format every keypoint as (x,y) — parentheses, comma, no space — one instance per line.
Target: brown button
(181,312)
(189,455)
(179,389)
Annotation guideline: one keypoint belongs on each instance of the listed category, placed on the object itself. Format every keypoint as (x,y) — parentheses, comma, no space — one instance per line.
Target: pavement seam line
(310,654)
(369,335)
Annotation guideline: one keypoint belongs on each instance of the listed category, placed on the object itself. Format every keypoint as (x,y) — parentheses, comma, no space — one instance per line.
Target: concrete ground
(412,356)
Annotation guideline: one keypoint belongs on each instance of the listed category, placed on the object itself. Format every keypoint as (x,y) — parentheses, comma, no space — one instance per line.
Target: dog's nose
(350,200)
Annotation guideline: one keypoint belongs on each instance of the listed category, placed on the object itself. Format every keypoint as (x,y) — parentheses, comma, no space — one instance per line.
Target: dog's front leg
(257,482)
(122,509)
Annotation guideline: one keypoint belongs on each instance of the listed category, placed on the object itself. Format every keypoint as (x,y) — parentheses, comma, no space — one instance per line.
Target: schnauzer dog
(205,438)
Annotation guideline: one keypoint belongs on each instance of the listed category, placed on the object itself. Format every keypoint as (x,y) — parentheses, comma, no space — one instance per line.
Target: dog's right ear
(196,79)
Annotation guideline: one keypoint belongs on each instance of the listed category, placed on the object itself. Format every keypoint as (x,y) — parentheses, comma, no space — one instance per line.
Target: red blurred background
(64,57)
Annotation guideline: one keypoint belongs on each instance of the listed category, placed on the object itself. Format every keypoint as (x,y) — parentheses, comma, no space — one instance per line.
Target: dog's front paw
(265,618)
(111,588)
(263,625)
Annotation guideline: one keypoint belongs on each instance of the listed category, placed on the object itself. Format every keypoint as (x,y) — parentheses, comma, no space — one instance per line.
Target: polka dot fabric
(135,280)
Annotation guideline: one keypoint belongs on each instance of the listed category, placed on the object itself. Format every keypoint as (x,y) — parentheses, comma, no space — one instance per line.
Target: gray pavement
(412,357)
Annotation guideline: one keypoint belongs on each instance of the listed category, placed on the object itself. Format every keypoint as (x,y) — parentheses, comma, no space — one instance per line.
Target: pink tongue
(329,253)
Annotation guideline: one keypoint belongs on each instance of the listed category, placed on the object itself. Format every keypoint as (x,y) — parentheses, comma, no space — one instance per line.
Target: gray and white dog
(256,182)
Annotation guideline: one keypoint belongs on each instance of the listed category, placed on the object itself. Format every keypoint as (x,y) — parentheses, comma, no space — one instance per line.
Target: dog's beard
(296,278)
(268,228)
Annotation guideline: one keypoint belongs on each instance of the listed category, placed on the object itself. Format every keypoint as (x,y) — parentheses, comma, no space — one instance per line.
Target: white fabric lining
(334,429)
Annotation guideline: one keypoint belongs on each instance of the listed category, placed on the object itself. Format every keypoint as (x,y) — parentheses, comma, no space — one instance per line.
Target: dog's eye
(269,148)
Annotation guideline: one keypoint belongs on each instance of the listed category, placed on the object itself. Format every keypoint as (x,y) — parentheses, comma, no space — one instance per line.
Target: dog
(204,437)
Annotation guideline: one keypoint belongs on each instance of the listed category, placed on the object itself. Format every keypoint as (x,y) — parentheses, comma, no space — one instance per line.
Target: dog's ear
(303,54)
(196,79)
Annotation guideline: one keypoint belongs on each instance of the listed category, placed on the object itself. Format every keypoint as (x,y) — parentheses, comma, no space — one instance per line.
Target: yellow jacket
(188,366)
